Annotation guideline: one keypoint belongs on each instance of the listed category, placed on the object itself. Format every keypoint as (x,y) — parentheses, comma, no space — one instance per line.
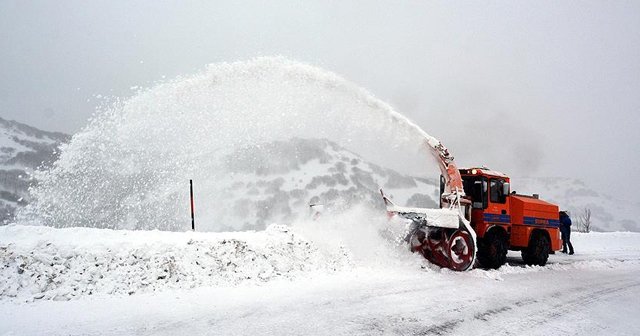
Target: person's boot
(570,249)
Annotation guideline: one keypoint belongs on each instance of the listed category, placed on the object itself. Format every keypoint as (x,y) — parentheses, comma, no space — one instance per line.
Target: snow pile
(130,167)
(63,264)
(67,263)
(372,240)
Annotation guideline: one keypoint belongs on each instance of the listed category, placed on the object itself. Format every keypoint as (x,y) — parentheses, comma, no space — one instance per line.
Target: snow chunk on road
(63,264)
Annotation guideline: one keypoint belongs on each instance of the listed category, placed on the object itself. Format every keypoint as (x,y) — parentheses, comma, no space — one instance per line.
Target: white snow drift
(61,264)
(70,263)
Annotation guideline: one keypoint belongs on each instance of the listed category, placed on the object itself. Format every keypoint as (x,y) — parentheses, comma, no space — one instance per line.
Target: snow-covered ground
(302,282)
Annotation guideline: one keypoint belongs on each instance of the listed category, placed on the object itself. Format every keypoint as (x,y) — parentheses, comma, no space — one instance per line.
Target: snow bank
(63,264)
(605,241)
(66,263)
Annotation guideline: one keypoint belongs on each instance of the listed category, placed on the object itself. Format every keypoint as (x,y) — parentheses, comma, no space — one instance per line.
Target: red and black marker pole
(193,222)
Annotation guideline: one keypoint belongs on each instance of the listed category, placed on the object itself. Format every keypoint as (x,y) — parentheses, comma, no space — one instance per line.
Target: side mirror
(506,188)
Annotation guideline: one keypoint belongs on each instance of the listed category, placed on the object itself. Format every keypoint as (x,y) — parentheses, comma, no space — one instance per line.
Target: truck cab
(507,221)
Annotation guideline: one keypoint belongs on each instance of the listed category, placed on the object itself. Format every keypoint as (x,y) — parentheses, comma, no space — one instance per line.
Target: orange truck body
(518,215)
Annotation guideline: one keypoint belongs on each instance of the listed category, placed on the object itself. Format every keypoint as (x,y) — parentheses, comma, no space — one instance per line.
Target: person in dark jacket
(565,232)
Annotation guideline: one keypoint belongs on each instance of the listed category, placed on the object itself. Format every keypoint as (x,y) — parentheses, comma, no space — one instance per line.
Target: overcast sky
(530,88)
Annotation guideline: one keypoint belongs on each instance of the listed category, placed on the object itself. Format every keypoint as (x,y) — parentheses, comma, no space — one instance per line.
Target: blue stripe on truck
(541,221)
(497,218)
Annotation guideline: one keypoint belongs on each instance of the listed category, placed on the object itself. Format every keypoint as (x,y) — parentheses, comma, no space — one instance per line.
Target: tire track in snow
(517,316)
(529,313)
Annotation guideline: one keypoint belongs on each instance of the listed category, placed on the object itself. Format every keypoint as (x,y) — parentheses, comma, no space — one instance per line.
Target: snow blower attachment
(440,235)
(443,236)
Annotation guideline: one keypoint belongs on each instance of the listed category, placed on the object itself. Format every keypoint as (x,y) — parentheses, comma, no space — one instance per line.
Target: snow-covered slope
(275,182)
(278,181)
(607,212)
(22,149)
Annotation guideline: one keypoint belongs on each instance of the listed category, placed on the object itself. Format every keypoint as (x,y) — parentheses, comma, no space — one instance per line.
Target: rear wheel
(537,252)
(492,252)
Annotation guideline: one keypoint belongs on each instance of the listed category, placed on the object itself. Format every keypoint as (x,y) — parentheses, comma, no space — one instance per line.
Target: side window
(495,191)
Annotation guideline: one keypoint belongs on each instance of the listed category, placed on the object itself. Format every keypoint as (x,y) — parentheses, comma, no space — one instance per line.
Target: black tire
(492,250)
(537,253)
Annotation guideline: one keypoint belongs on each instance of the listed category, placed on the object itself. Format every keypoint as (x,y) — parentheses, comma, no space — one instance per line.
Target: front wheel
(537,252)
(492,250)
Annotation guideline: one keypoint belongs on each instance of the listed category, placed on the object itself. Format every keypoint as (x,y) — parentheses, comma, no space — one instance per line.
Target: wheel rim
(461,250)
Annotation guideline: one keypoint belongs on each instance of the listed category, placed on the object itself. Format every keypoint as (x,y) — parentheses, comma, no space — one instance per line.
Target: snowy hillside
(607,212)
(22,149)
(277,181)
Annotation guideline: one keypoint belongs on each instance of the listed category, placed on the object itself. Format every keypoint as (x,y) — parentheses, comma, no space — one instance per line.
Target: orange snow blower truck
(479,219)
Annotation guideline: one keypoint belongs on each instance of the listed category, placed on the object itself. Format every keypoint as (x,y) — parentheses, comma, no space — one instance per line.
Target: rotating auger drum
(448,248)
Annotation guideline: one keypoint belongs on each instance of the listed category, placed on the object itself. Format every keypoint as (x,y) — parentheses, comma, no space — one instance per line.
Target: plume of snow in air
(129,167)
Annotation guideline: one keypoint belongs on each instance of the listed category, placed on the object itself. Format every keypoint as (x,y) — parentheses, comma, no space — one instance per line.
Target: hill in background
(277,181)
